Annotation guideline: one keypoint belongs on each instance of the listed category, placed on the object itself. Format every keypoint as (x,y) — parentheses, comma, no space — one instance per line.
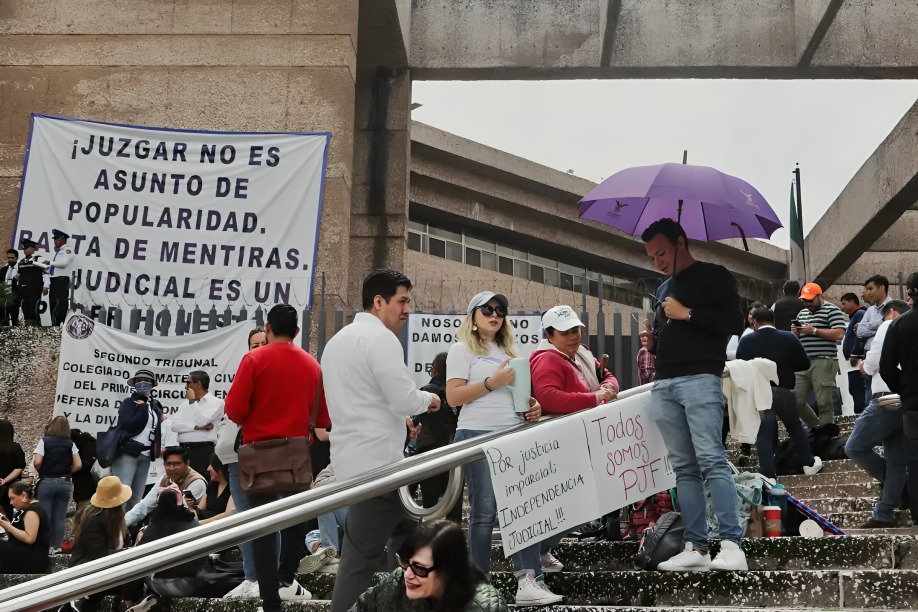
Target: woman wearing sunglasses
(435,574)
(477,376)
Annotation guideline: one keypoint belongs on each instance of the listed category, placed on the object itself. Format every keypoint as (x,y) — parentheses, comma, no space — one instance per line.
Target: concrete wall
(272,65)
(527,39)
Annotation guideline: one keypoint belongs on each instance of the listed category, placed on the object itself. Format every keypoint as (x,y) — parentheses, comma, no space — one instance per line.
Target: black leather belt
(195,444)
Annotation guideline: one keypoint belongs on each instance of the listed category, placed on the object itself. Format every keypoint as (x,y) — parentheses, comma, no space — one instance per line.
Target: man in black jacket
(900,350)
(9,274)
(698,310)
(785,350)
(787,307)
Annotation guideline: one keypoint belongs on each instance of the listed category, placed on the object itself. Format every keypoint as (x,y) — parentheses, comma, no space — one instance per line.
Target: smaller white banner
(429,334)
(96,361)
(627,451)
(543,483)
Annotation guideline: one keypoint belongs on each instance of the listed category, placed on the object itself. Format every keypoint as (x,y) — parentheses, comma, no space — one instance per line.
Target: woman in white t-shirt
(477,376)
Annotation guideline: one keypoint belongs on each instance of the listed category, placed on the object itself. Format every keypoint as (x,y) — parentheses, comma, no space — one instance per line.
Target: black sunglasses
(488,310)
(419,570)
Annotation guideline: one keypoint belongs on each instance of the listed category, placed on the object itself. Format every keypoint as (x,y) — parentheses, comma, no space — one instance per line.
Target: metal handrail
(134,563)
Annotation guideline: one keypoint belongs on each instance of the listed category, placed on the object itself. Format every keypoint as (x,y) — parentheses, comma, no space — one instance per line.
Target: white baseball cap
(561,318)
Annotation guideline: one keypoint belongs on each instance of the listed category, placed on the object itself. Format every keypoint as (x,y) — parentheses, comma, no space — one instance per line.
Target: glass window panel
(592,275)
(418,227)
(551,277)
(478,242)
(572,270)
(414,241)
(594,288)
(566,281)
(542,261)
(438,231)
(488,261)
(502,250)
(520,268)
(506,266)
(454,251)
(437,247)
(473,257)
(536,273)
(520,254)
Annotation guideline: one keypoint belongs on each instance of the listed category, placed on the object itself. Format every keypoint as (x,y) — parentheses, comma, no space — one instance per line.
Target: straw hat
(110,493)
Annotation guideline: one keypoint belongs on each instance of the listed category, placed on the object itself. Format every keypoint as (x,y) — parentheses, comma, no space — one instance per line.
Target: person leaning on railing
(435,573)
(477,378)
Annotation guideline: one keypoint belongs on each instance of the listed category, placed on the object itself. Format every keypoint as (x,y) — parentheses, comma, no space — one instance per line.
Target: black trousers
(293,542)
(371,525)
(857,391)
(30,299)
(784,407)
(59,299)
(199,456)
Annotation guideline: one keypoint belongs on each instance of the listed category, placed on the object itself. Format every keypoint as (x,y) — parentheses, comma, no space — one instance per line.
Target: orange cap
(810,291)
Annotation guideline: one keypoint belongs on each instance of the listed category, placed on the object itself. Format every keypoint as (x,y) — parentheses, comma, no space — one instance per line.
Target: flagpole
(800,215)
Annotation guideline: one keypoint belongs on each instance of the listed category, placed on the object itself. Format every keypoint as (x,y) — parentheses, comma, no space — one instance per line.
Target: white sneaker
(529,593)
(312,563)
(247,589)
(294,592)
(689,560)
(144,604)
(813,469)
(550,564)
(730,558)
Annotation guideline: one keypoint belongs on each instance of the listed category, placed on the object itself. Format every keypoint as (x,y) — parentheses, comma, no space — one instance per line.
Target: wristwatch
(689,318)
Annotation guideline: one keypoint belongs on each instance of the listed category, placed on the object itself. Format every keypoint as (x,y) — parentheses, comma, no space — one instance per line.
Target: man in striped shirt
(820,327)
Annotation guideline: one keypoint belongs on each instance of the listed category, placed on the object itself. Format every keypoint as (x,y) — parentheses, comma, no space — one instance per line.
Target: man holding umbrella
(698,310)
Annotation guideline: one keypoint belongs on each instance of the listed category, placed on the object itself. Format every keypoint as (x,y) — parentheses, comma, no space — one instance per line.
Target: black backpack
(660,541)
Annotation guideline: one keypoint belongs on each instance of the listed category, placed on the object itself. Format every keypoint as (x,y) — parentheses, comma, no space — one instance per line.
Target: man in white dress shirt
(197,421)
(370,392)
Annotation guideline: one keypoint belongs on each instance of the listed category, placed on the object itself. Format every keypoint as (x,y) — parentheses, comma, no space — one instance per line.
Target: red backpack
(641,515)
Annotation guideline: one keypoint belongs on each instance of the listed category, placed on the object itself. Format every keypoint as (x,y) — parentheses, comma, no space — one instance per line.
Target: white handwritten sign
(543,483)
(429,334)
(550,479)
(627,451)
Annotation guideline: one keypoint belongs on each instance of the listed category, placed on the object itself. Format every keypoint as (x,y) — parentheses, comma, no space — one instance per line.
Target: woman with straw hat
(98,531)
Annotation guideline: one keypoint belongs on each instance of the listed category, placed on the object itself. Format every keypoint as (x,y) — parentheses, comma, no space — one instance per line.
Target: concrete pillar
(382,142)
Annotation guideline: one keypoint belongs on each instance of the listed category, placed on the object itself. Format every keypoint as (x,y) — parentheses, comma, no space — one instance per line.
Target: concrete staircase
(866,570)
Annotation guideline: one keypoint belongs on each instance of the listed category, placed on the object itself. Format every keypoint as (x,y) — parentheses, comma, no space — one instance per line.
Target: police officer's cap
(56,233)
(26,243)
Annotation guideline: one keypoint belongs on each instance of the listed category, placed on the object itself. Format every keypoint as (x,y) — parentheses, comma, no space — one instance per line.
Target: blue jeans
(873,427)
(54,493)
(242,504)
(689,410)
(329,524)
(132,471)
(483,516)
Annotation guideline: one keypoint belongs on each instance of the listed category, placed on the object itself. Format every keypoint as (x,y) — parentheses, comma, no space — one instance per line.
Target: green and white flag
(796,264)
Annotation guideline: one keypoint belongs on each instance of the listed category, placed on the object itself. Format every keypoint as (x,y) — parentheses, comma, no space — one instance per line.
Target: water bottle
(777,496)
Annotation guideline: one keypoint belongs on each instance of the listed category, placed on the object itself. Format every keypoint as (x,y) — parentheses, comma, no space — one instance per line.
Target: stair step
(813,491)
(845,520)
(830,505)
(848,477)
(793,553)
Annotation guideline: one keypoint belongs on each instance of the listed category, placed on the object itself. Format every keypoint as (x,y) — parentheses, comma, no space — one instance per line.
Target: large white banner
(97,360)
(429,334)
(169,218)
(550,479)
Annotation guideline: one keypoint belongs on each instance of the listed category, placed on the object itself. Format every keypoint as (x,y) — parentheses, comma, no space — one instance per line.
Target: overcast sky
(756,130)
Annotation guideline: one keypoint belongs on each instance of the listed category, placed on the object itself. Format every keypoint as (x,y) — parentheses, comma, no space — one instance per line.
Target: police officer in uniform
(9,274)
(33,283)
(59,273)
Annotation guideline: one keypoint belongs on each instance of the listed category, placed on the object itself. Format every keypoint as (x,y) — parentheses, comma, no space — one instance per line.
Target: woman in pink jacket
(565,375)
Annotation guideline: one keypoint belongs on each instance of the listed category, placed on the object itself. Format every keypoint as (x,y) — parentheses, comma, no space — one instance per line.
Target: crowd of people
(361,403)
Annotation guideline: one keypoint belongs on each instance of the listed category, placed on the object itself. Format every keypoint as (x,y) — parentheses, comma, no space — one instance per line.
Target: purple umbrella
(709,204)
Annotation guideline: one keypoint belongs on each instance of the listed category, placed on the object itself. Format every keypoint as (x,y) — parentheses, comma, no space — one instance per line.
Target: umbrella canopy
(709,204)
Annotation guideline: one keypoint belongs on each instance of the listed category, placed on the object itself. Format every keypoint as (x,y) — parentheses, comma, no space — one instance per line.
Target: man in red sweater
(273,396)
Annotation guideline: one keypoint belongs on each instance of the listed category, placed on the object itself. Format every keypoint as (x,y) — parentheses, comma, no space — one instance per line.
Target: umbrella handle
(742,233)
